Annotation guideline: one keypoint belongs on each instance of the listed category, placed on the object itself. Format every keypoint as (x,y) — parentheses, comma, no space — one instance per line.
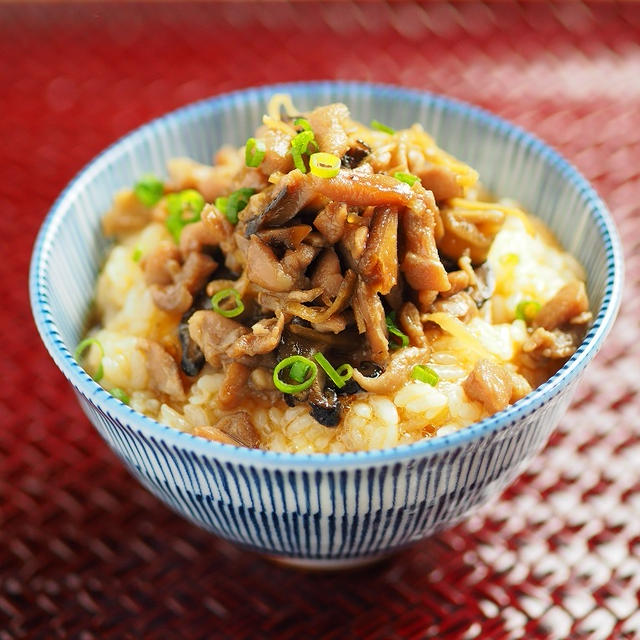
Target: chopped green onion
(184,208)
(345,371)
(336,378)
(119,393)
(527,310)
(236,202)
(254,152)
(221,204)
(425,374)
(299,145)
(394,331)
(149,190)
(184,202)
(286,387)
(302,122)
(298,371)
(324,165)
(137,254)
(409,178)
(87,342)
(378,126)
(302,140)
(298,161)
(224,294)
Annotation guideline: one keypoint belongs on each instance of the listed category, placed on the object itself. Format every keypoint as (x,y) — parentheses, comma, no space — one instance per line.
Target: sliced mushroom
(192,359)
(355,154)
(292,193)
(325,407)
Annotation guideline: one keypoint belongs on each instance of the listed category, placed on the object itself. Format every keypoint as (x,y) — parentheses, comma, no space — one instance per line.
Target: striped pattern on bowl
(339,508)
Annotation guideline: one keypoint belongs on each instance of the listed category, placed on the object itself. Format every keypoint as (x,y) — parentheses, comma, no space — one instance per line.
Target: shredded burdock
(319,272)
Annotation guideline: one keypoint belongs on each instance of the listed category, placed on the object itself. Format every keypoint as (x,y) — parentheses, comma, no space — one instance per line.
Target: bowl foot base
(337,564)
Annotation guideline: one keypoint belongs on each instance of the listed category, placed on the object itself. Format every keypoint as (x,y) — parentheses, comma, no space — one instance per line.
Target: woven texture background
(86,553)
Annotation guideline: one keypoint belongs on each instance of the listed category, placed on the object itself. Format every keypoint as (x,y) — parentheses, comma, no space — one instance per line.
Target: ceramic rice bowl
(340,509)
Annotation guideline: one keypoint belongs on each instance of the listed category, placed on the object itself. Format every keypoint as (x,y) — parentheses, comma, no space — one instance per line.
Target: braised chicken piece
(567,305)
(177,296)
(490,384)
(235,428)
(164,375)
(127,214)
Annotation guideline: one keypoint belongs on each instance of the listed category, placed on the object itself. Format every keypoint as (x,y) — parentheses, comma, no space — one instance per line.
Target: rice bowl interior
(469,303)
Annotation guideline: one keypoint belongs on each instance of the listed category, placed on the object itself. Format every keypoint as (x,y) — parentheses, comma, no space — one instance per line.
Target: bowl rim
(125,415)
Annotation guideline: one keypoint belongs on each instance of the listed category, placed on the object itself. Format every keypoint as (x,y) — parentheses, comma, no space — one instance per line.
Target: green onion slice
(345,371)
(299,371)
(337,379)
(236,202)
(225,294)
(527,310)
(300,144)
(298,161)
(221,204)
(394,331)
(409,178)
(137,254)
(149,190)
(286,387)
(303,123)
(80,349)
(254,152)
(119,393)
(324,165)
(425,374)
(378,126)
(184,208)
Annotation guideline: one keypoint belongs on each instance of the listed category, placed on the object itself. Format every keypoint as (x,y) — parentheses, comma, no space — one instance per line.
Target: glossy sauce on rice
(367,255)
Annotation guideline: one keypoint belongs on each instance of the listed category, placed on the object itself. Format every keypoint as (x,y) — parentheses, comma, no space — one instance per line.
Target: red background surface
(86,553)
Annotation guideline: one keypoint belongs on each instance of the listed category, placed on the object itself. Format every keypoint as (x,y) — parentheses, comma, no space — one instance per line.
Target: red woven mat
(86,553)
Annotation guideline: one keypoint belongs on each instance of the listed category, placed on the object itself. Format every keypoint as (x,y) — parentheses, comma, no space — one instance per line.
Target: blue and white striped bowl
(340,509)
